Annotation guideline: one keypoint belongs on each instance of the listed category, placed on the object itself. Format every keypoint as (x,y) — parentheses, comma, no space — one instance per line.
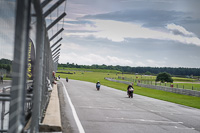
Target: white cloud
(6,45)
(6,51)
(90,59)
(150,61)
(118,31)
(137,56)
(116,60)
(155,63)
(73,46)
(165,58)
(139,63)
(177,29)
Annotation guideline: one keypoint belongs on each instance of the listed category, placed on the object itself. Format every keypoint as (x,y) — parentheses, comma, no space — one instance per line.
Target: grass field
(6,78)
(99,76)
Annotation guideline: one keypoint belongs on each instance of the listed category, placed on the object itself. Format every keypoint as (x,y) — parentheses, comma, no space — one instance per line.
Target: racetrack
(111,111)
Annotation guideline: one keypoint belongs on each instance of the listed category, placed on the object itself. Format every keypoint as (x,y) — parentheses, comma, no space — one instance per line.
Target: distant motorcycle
(130,92)
(98,86)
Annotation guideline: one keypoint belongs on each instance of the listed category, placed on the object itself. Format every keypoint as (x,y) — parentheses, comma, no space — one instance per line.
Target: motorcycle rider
(98,85)
(129,87)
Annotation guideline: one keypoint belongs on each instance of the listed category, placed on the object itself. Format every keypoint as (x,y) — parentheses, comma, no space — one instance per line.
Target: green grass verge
(158,94)
(5,78)
(190,101)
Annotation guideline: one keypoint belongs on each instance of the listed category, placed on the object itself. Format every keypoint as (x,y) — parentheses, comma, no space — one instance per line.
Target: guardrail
(5,103)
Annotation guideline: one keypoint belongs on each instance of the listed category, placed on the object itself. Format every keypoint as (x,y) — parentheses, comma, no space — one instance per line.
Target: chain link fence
(25,40)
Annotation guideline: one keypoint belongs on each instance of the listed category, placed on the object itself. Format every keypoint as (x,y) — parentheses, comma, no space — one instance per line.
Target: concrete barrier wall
(163,88)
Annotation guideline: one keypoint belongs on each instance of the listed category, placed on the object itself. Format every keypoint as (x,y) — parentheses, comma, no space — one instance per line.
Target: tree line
(181,71)
(5,64)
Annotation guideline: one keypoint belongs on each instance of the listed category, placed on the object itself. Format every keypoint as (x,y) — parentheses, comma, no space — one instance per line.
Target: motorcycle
(98,86)
(130,92)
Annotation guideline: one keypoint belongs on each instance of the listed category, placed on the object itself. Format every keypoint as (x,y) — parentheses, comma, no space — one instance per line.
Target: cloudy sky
(157,33)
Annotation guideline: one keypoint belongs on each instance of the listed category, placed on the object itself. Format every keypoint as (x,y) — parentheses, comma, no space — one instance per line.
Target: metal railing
(4,106)
(187,86)
(5,103)
(157,87)
(27,102)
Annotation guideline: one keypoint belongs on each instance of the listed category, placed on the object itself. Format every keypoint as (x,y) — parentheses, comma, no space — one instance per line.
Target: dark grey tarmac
(111,111)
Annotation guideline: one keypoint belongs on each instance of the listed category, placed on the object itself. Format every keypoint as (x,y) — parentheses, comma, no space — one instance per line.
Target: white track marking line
(106,108)
(78,123)
(145,120)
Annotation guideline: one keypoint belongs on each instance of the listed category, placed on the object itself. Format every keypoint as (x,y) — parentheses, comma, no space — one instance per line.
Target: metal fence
(171,89)
(187,86)
(4,108)
(23,105)
(5,104)
(157,87)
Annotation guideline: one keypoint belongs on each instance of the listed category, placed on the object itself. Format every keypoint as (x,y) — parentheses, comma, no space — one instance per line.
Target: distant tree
(164,77)
(127,69)
(8,68)
(5,61)
(147,73)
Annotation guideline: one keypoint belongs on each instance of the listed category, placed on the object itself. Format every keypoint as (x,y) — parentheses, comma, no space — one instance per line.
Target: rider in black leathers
(129,86)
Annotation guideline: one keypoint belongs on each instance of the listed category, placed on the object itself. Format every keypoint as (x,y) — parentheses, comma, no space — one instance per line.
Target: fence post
(38,67)
(3,111)
(19,67)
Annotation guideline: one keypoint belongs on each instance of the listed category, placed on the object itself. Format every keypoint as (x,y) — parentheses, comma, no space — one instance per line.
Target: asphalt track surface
(111,111)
